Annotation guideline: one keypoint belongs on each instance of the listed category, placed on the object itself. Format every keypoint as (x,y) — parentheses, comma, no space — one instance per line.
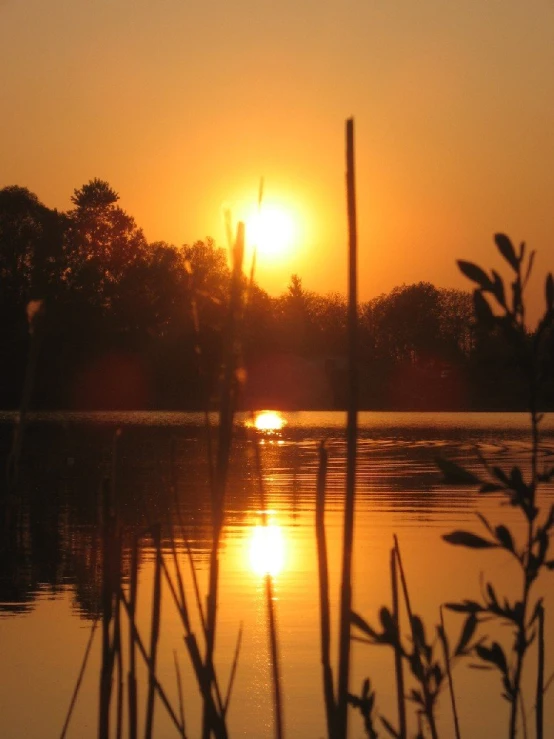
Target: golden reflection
(268,421)
(267,549)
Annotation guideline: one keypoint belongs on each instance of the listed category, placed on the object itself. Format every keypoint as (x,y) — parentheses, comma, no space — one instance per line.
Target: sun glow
(267,550)
(268,421)
(271,230)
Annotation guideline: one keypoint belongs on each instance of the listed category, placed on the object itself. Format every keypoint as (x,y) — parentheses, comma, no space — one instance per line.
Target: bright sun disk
(271,230)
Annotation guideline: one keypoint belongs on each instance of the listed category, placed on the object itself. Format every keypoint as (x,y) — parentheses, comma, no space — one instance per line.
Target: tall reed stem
(351,439)
(132,678)
(325,620)
(273,645)
(450,680)
(424,684)
(539,715)
(398,667)
(106,673)
(155,631)
(225,436)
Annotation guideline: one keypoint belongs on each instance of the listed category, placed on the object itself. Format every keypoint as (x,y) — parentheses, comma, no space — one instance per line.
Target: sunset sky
(183,105)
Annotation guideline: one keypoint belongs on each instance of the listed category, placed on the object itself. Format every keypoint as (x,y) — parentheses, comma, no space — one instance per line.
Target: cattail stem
(132,678)
(450,680)
(351,441)
(155,631)
(398,666)
(324,611)
(539,711)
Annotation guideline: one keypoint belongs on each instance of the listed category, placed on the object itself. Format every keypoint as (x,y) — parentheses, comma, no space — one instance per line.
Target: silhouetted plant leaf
(389,728)
(416,696)
(549,291)
(506,248)
(475,273)
(454,474)
(362,624)
(529,267)
(467,539)
(468,606)
(517,483)
(467,632)
(485,523)
(500,475)
(481,667)
(493,654)
(387,621)
(490,487)
(498,288)
(483,310)
(418,631)
(505,537)
(550,564)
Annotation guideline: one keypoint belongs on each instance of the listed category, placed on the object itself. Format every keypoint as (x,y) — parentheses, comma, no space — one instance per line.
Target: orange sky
(182,105)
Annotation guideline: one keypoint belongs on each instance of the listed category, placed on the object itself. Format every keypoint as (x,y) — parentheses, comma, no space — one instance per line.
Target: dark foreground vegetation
(121,319)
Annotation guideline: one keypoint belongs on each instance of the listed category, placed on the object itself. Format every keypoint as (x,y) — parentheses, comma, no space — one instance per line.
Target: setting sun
(267,421)
(271,231)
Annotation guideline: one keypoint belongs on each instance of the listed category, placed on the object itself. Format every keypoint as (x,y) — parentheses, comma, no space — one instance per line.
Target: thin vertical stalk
(539,711)
(428,712)
(107,612)
(521,638)
(179,690)
(398,666)
(79,679)
(233,672)
(274,651)
(155,631)
(273,645)
(151,670)
(351,442)
(324,611)
(132,677)
(225,435)
(450,680)
(118,654)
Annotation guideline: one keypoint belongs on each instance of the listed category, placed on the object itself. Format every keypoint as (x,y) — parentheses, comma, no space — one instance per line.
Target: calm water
(49,578)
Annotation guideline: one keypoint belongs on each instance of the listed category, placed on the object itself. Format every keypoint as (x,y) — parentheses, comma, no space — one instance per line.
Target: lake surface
(51,564)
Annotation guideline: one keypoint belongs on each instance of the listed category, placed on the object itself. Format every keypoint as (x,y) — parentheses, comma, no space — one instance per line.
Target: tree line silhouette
(129,324)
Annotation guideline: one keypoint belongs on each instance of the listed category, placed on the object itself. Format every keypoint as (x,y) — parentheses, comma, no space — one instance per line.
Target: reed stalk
(273,642)
(351,442)
(324,609)
(398,666)
(225,436)
(151,670)
(205,677)
(446,654)
(155,631)
(106,674)
(539,710)
(179,690)
(424,684)
(79,679)
(117,642)
(233,672)
(132,677)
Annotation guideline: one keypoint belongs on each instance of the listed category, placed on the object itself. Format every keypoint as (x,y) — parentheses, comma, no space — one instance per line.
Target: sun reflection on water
(267,549)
